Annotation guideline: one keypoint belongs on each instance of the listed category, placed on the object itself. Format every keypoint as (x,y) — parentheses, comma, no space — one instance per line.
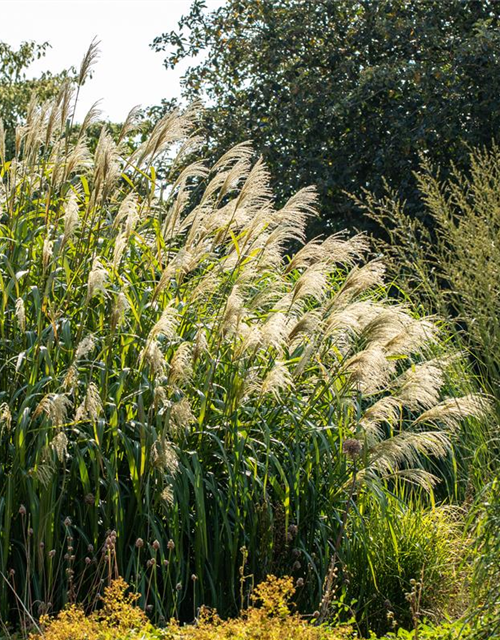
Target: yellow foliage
(270,618)
(118,619)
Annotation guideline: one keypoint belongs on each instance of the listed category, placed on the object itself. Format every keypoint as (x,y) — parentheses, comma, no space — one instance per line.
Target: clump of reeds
(169,373)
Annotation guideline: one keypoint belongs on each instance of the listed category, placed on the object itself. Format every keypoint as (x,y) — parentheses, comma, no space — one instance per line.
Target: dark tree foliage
(344,93)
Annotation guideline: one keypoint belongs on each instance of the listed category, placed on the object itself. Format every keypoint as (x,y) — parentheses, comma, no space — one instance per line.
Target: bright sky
(128,71)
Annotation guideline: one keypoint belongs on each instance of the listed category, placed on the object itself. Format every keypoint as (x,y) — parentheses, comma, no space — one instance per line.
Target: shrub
(117,618)
(182,403)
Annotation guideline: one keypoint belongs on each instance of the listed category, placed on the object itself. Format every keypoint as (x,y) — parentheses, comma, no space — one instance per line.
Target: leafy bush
(182,403)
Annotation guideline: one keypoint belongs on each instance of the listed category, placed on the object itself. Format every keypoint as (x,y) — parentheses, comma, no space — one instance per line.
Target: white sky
(128,72)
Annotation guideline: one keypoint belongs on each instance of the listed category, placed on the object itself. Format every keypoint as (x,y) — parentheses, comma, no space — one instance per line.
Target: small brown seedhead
(352,448)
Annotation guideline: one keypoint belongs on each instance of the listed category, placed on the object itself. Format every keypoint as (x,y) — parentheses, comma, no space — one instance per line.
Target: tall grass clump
(485,521)
(412,550)
(452,262)
(181,403)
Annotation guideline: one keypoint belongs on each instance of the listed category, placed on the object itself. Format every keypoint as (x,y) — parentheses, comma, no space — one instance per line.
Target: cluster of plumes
(208,274)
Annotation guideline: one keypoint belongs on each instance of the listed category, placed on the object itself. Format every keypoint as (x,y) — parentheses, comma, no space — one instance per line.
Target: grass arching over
(181,403)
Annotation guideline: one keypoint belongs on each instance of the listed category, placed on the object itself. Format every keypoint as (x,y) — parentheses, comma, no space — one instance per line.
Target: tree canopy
(344,94)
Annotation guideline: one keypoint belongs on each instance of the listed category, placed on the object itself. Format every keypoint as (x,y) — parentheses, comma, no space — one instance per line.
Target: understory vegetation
(205,418)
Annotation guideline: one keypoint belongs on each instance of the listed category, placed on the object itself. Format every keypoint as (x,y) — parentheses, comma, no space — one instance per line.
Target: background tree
(343,93)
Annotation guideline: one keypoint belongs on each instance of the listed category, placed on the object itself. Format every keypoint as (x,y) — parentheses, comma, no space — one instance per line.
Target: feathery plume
(47,251)
(172,128)
(313,282)
(307,324)
(60,445)
(153,356)
(131,123)
(369,369)
(78,159)
(181,416)
(5,417)
(361,279)
(274,332)
(70,378)
(405,449)
(168,494)
(241,151)
(119,248)
(166,325)
(128,213)
(418,387)
(85,346)
(90,118)
(233,311)
(91,407)
(452,411)
(107,167)
(71,216)
(200,344)
(160,399)
(55,406)
(352,318)
(45,468)
(277,380)
(120,308)
(97,279)
(385,410)
(89,59)
(21,314)
(163,456)
(304,359)
(181,365)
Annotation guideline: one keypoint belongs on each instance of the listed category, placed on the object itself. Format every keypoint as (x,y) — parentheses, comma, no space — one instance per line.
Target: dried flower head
(21,314)
(91,407)
(97,280)
(55,406)
(85,347)
(60,445)
(352,448)
(5,417)
(71,218)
